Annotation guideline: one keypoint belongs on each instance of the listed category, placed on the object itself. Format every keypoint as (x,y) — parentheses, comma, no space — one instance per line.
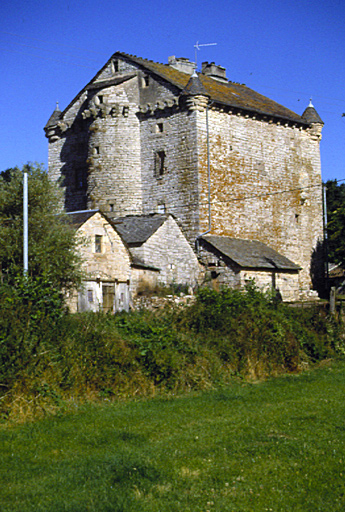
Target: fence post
(332,300)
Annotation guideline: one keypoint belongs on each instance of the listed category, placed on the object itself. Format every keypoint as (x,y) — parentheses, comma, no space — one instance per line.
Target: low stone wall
(154,302)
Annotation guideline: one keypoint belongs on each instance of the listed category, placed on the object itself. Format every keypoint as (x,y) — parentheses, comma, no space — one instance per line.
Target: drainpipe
(325,233)
(208,180)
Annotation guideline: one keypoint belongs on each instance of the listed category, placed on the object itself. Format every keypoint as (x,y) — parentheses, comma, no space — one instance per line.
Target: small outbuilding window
(98,243)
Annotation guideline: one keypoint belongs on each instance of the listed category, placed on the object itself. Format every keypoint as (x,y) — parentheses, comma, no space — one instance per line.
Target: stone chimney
(182,64)
(214,71)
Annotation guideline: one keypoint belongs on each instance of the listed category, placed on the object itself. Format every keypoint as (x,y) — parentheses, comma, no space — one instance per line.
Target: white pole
(25,222)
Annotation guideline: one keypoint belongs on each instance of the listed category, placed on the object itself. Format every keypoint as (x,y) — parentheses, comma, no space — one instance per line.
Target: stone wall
(113,262)
(265,185)
(168,250)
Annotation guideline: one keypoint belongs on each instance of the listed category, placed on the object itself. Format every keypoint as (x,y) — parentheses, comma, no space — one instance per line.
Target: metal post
(25,222)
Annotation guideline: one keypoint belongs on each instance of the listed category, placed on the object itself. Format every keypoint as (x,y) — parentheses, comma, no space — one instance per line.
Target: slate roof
(311,116)
(77,219)
(54,118)
(231,93)
(136,229)
(250,254)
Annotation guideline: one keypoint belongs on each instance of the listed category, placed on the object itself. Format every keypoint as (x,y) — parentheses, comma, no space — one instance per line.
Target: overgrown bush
(50,356)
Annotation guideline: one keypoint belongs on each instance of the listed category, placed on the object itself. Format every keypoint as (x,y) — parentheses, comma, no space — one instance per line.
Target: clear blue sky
(287,50)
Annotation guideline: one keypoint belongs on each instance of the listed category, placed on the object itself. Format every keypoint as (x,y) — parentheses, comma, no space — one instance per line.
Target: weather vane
(197,47)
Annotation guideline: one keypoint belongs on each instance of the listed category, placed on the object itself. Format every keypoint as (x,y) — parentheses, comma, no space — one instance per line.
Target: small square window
(98,243)
(161,208)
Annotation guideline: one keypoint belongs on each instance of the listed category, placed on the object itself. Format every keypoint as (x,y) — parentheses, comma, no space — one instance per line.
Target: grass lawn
(275,446)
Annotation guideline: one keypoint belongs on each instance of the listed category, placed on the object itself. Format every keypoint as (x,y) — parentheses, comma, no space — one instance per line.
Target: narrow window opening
(160,163)
(100,98)
(96,150)
(159,128)
(111,207)
(98,243)
(79,179)
(116,66)
(146,81)
(90,295)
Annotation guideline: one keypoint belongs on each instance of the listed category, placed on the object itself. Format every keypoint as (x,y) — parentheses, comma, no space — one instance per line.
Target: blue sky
(287,50)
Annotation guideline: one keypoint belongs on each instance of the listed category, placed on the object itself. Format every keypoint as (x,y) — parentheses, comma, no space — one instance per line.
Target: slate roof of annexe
(77,219)
(136,229)
(250,254)
(231,94)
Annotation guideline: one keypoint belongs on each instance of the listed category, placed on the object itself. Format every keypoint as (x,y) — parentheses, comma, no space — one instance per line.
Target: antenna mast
(197,47)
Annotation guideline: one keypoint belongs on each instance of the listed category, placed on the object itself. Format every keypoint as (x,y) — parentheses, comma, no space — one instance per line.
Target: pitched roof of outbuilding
(77,219)
(136,229)
(250,253)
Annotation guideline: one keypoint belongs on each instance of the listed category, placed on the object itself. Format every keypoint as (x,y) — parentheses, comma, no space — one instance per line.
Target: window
(90,295)
(98,243)
(79,178)
(111,207)
(160,163)
(100,99)
(145,81)
(96,150)
(115,66)
(161,208)
(159,128)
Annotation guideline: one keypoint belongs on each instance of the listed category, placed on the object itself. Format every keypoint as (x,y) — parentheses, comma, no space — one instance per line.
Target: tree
(53,244)
(336,221)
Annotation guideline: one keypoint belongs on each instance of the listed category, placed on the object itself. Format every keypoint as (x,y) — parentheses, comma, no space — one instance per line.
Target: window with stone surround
(159,128)
(98,244)
(115,66)
(160,167)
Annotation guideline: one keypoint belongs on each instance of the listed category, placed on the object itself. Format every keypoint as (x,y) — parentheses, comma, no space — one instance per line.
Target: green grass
(275,446)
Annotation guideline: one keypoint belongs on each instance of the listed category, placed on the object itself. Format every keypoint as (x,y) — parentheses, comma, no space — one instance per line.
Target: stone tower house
(144,137)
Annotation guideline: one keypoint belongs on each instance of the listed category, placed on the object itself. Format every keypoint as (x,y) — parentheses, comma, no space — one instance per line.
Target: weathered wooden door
(108,297)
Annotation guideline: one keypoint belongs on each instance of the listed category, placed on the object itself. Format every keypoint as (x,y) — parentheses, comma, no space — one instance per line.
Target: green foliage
(49,354)
(336,221)
(53,246)
(30,310)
